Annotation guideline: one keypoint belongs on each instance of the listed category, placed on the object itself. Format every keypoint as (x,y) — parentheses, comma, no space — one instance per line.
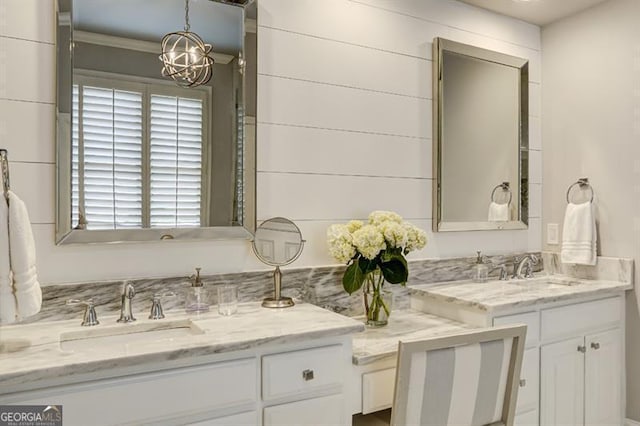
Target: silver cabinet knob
(595,345)
(582,349)
(523,383)
(307,375)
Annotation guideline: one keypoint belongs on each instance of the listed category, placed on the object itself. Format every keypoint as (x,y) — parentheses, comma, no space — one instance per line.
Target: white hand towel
(7,298)
(498,212)
(23,259)
(579,235)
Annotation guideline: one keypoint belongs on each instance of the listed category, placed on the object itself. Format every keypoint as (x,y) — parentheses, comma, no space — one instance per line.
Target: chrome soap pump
(197,299)
(479,271)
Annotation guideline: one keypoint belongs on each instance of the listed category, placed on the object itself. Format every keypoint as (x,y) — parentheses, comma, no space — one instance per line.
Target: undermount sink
(126,336)
(544,282)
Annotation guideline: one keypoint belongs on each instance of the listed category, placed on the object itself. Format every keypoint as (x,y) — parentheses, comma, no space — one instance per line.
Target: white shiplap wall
(344,127)
(345,113)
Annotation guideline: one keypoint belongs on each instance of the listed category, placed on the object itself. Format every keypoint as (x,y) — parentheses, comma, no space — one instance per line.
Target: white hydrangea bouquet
(375,254)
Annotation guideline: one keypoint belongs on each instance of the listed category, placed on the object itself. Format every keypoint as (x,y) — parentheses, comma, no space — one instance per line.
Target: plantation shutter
(109,135)
(117,125)
(175,161)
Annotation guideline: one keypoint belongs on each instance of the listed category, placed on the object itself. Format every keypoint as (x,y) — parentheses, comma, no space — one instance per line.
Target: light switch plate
(552,234)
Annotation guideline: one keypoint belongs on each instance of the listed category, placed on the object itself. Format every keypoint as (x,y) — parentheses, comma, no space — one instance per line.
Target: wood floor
(379,418)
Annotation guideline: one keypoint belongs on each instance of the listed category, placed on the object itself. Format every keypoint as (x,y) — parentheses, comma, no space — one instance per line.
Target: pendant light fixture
(185,56)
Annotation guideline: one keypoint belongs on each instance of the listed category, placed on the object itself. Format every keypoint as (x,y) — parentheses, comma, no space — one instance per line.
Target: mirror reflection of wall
(480,108)
(481,127)
(278,241)
(144,152)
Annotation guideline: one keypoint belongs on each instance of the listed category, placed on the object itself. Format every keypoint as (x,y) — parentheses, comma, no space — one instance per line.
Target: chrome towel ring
(505,187)
(584,184)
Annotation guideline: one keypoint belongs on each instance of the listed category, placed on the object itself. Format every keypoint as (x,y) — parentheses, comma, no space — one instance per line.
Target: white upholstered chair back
(468,379)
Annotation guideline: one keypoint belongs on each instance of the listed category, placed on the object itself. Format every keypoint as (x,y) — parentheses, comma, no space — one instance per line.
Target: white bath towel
(7,298)
(498,212)
(23,259)
(579,236)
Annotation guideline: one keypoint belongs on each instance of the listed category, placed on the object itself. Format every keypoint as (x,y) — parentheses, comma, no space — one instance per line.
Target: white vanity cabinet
(210,390)
(302,384)
(582,374)
(304,374)
(581,364)
(527,408)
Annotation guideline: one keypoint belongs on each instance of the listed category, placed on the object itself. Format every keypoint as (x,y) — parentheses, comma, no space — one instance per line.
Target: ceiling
(538,12)
(149,20)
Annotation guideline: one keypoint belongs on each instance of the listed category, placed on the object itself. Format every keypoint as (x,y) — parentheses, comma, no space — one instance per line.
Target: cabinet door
(529,389)
(529,418)
(562,383)
(603,379)
(328,410)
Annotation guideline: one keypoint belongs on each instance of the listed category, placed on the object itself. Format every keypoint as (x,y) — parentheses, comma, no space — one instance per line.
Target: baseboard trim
(629,422)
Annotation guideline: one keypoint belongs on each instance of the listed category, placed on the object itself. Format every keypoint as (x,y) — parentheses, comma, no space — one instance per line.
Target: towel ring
(505,187)
(583,183)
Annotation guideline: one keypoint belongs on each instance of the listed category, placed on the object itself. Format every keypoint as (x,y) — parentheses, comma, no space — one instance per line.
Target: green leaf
(353,278)
(394,268)
(367,265)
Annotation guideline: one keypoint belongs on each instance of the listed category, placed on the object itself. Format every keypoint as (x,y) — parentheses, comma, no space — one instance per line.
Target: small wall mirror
(139,157)
(278,242)
(480,147)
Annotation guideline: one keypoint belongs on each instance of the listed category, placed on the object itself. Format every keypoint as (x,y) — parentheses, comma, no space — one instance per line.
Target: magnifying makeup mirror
(277,242)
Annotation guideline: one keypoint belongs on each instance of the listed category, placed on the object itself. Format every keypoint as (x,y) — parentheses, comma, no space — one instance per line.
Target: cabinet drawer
(573,320)
(529,380)
(531,319)
(377,390)
(153,397)
(242,419)
(301,372)
(328,410)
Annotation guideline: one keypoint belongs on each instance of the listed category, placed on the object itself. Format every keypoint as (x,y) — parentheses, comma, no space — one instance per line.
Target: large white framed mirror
(140,158)
(480,138)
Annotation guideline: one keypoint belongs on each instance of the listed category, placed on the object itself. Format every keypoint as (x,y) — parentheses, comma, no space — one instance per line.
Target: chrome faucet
(504,275)
(126,314)
(525,264)
(90,317)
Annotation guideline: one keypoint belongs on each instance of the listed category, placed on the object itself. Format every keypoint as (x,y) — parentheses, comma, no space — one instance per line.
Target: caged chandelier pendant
(185,56)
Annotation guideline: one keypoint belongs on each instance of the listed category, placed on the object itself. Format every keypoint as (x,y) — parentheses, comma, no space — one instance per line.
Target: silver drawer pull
(523,383)
(307,375)
(582,349)
(595,345)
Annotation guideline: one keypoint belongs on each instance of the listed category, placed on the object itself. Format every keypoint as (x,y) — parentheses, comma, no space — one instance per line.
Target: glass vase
(377,300)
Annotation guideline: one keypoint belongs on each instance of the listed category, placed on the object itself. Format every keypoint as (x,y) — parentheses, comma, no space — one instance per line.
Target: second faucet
(126,312)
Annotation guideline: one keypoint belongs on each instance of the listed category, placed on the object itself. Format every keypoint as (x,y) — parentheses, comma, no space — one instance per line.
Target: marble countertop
(34,352)
(496,296)
(375,344)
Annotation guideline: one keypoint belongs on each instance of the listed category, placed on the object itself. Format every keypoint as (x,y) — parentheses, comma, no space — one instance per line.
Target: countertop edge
(508,306)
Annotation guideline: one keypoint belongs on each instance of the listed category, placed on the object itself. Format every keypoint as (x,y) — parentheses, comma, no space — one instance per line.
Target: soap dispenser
(197,299)
(479,271)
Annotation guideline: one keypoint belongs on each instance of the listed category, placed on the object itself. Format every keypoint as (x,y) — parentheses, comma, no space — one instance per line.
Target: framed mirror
(480,141)
(140,157)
